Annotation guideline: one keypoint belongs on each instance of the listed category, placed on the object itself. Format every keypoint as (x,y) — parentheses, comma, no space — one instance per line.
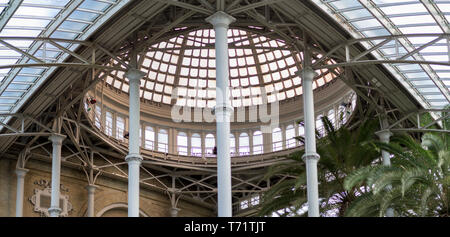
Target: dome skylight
(258,65)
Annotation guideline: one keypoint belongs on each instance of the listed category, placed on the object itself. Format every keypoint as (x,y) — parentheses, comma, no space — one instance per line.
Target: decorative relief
(42,198)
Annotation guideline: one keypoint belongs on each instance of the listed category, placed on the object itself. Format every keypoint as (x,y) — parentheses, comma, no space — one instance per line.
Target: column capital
(91,188)
(307,73)
(311,156)
(131,158)
(220,19)
(21,172)
(54,211)
(384,135)
(134,74)
(174,211)
(57,138)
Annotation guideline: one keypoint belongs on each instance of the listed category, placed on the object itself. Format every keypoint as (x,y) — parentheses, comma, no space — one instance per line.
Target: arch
(232,145)
(149,138)
(290,136)
(117,206)
(182,143)
(244,144)
(120,127)
(196,145)
(210,143)
(163,140)
(277,139)
(258,147)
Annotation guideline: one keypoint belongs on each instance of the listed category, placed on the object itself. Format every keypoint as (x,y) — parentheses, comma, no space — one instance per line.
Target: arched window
(149,138)
(196,145)
(244,144)
(342,114)
(301,131)
(120,127)
(290,136)
(108,123)
(98,116)
(182,143)
(232,145)
(319,125)
(210,143)
(257,142)
(331,116)
(277,139)
(163,141)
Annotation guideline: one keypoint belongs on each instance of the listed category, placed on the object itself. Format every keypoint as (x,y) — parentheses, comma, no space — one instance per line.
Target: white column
(174,212)
(133,158)
(91,192)
(310,157)
(220,20)
(385,136)
(54,209)
(20,172)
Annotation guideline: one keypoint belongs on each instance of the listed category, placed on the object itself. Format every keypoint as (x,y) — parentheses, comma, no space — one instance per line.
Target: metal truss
(55,45)
(398,58)
(23,118)
(422,125)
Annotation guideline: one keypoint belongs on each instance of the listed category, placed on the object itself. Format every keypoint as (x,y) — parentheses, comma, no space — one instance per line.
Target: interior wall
(110,192)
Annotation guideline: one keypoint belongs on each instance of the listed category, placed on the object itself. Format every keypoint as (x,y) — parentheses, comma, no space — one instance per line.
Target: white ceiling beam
(9,12)
(188,6)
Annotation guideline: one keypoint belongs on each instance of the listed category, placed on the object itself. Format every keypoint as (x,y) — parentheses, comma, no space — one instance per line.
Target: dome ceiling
(181,70)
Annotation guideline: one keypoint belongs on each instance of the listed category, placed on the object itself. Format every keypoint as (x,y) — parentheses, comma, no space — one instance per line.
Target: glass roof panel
(67,19)
(396,17)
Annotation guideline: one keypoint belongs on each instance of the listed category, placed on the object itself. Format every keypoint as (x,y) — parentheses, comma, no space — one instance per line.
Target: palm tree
(418,177)
(341,152)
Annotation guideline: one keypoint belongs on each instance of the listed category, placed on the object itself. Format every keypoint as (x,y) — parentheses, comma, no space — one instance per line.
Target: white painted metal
(56,139)
(20,172)
(91,192)
(220,20)
(385,136)
(134,158)
(311,157)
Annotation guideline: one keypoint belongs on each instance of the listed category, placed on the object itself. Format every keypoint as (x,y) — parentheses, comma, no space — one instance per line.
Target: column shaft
(91,203)
(55,209)
(311,157)
(223,109)
(385,136)
(133,158)
(20,189)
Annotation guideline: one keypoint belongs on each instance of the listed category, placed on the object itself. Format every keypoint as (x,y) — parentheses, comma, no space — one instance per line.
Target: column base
(54,211)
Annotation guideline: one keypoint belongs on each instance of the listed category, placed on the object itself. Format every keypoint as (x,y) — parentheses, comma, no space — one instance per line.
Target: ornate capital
(21,172)
(220,19)
(91,188)
(57,138)
(307,73)
(311,156)
(384,135)
(134,74)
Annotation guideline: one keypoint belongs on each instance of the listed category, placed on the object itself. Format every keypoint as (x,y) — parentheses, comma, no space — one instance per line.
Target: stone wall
(110,195)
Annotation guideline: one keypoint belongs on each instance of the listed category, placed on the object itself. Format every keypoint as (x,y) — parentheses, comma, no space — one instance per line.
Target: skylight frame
(376,6)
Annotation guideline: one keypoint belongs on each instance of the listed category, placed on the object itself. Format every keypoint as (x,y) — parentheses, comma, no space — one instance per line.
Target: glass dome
(181,70)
